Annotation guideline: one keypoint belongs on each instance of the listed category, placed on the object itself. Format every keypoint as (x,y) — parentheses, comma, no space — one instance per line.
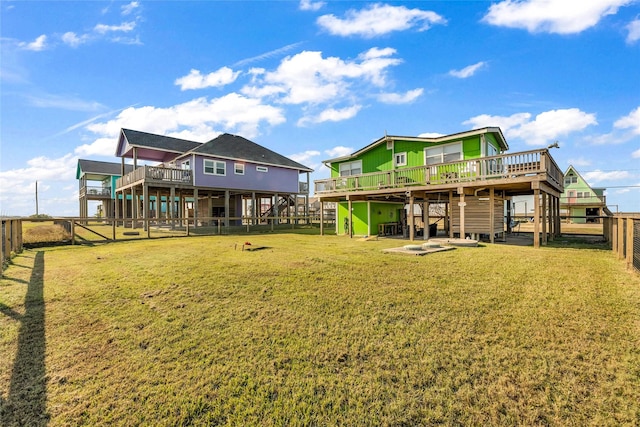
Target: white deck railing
(153,174)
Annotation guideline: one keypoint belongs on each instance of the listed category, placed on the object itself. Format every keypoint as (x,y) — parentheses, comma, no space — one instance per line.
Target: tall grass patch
(310,330)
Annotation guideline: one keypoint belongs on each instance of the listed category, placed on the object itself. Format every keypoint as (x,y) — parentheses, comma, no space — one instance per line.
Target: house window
(186,165)
(491,150)
(214,167)
(262,169)
(351,168)
(239,168)
(401,159)
(571,179)
(443,153)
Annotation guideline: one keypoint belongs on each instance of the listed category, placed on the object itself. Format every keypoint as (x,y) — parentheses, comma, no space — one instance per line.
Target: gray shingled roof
(160,142)
(236,147)
(95,167)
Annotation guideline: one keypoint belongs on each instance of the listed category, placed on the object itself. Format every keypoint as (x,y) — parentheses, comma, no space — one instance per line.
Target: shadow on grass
(27,399)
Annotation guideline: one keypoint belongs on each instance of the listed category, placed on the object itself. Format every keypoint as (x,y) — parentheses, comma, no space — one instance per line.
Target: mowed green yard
(317,330)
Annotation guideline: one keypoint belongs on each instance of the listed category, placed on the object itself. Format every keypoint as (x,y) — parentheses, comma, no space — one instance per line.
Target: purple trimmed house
(228,177)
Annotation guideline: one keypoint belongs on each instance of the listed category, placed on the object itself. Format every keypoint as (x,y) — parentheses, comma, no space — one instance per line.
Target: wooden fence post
(629,249)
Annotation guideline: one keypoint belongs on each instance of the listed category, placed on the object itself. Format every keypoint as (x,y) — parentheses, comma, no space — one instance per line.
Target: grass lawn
(312,330)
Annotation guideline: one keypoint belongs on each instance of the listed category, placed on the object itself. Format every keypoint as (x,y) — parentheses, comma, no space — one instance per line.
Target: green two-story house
(580,203)
(388,186)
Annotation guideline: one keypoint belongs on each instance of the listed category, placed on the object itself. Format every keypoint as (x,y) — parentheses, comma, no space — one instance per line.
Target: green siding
(379,158)
(471,148)
(378,213)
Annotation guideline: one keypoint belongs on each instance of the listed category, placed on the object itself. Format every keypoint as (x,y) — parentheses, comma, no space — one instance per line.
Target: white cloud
(18,185)
(100,147)
(63,102)
(580,161)
(545,128)
(125,27)
(634,31)
(72,39)
(379,19)
(331,115)
(551,16)
(307,77)
(600,176)
(195,80)
(267,55)
(40,43)
(233,113)
(636,154)
(339,151)
(311,5)
(400,98)
(630,121)
(129,8)
(467,71)
(430,135)
(304,157)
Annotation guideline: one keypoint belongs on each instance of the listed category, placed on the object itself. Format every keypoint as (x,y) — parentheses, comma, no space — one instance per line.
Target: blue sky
(314,80)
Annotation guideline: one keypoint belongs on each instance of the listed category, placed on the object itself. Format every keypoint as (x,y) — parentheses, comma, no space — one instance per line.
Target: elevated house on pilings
(229,178)
(580,203)
(389,186)
(97,181)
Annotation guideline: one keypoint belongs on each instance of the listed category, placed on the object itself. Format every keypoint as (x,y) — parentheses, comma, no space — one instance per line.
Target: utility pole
(36,198)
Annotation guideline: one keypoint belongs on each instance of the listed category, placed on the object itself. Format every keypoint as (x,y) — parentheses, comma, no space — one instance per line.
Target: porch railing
(526,163)
(95,191)
(153,174)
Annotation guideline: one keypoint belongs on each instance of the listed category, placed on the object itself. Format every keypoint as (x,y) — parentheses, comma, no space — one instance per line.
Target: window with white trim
(186,164)
(351,168)
(262,169)
(238,168)
(215,167)
(401,159)
(443,153)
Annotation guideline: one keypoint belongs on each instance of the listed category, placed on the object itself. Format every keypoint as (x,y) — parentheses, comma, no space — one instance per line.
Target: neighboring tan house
(580,203)
(468,173)
(228,177)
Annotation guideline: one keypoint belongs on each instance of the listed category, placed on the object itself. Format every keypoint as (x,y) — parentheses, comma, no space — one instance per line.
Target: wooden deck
(153,175)
(507,170)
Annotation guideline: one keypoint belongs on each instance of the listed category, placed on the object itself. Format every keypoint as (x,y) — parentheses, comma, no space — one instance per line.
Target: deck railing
(95,191)
(153,174)
(527,163)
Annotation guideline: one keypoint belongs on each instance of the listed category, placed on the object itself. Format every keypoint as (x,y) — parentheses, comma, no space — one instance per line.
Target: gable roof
(238,148)
(574,170)
(436,140)
(95,169)
(151,146)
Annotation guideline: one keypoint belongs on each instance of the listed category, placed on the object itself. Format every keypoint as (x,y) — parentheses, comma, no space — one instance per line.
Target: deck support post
(145,207)
(411,222)
(135,209)
(170,205)
(226,207)
(558,220)
(536,218)
(321,216)
(350,216)
(425,209)
(462,204)
(117,208)
(544,218)
(158,207)
(449,215)
(195,207)
(253,209)
(276,211)
(492,215)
